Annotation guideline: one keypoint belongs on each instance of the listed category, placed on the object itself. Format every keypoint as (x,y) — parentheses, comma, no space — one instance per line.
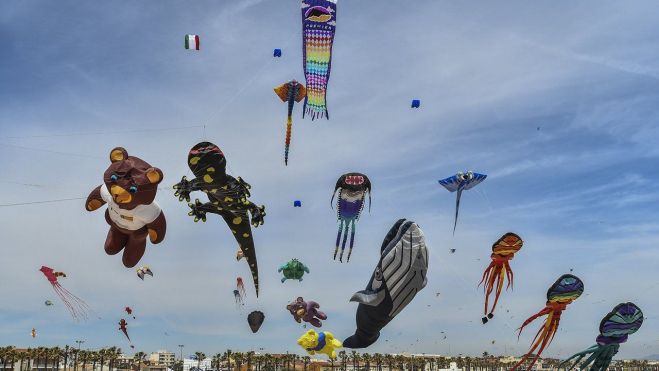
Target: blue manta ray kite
(461,182)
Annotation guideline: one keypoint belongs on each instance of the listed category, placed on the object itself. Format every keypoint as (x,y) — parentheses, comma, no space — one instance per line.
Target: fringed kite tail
(289,129)
(304,106)
(352,240)
(345,239)
(338,239)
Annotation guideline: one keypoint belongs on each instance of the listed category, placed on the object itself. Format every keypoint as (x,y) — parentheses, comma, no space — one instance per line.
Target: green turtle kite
(293,270)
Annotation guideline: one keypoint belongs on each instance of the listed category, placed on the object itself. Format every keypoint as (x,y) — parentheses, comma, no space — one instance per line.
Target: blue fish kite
(461,182)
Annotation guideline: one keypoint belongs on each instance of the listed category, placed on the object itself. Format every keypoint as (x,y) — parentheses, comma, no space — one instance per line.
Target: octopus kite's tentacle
(545,334)
(487,288)
(509,274)
(502,277)
(345,239)
(579,356)
(361,206)
(76,306)
(594,357)
(543,312)
(338,238)
(352,239)
(495,274)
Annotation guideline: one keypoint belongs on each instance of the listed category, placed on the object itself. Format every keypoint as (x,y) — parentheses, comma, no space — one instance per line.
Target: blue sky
(555,101)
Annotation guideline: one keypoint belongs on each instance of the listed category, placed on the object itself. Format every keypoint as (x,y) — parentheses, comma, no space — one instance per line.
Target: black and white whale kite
(399,275)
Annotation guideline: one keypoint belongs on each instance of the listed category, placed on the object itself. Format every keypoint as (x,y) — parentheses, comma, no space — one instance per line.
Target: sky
(555,100)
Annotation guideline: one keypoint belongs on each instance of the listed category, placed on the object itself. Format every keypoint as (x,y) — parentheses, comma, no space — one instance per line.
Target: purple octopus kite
(352,189)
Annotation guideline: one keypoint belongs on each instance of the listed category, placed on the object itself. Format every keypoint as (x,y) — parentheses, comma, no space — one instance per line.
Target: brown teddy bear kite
(129,188)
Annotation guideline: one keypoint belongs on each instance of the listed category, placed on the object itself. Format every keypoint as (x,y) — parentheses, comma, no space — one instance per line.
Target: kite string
(105,132)
(440,262)
(66,199)
(487,200)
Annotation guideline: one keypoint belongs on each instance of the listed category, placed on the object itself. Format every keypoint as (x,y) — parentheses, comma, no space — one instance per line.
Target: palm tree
(215,361)
(139,357)
(65,354)
(248,357)
(344,359)
(227,356)
(94,357)
(367,360)
(83,356)
(400,362)
(238,357)
(113,354)
(306,360)
(256,358)
(377,357)
(268,361)
(45,354)
(56,354)
(22,356)
(200,356)
(8,354)
(355,360)
(74,353)
(390,361)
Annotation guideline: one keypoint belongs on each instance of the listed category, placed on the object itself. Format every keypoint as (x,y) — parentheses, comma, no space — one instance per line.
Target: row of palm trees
(235,361)
(67,358)
(70,359)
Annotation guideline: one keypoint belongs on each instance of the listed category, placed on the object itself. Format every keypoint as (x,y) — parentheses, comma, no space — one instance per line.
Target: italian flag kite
(192,42)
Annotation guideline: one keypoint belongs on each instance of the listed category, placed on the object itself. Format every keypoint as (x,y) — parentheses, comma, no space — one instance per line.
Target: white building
(192,364)
(162,357)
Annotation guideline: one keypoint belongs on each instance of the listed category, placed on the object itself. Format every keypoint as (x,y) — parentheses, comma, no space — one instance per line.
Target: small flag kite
(192,42)
(416,103)
(277,53)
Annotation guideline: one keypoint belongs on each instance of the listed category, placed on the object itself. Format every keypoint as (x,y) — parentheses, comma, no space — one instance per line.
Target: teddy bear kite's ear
(154,175)
(118,154)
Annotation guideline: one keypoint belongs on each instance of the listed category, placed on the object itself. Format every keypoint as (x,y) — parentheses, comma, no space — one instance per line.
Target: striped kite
(496,273)
(318,26)
(615,327)
(564,291)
